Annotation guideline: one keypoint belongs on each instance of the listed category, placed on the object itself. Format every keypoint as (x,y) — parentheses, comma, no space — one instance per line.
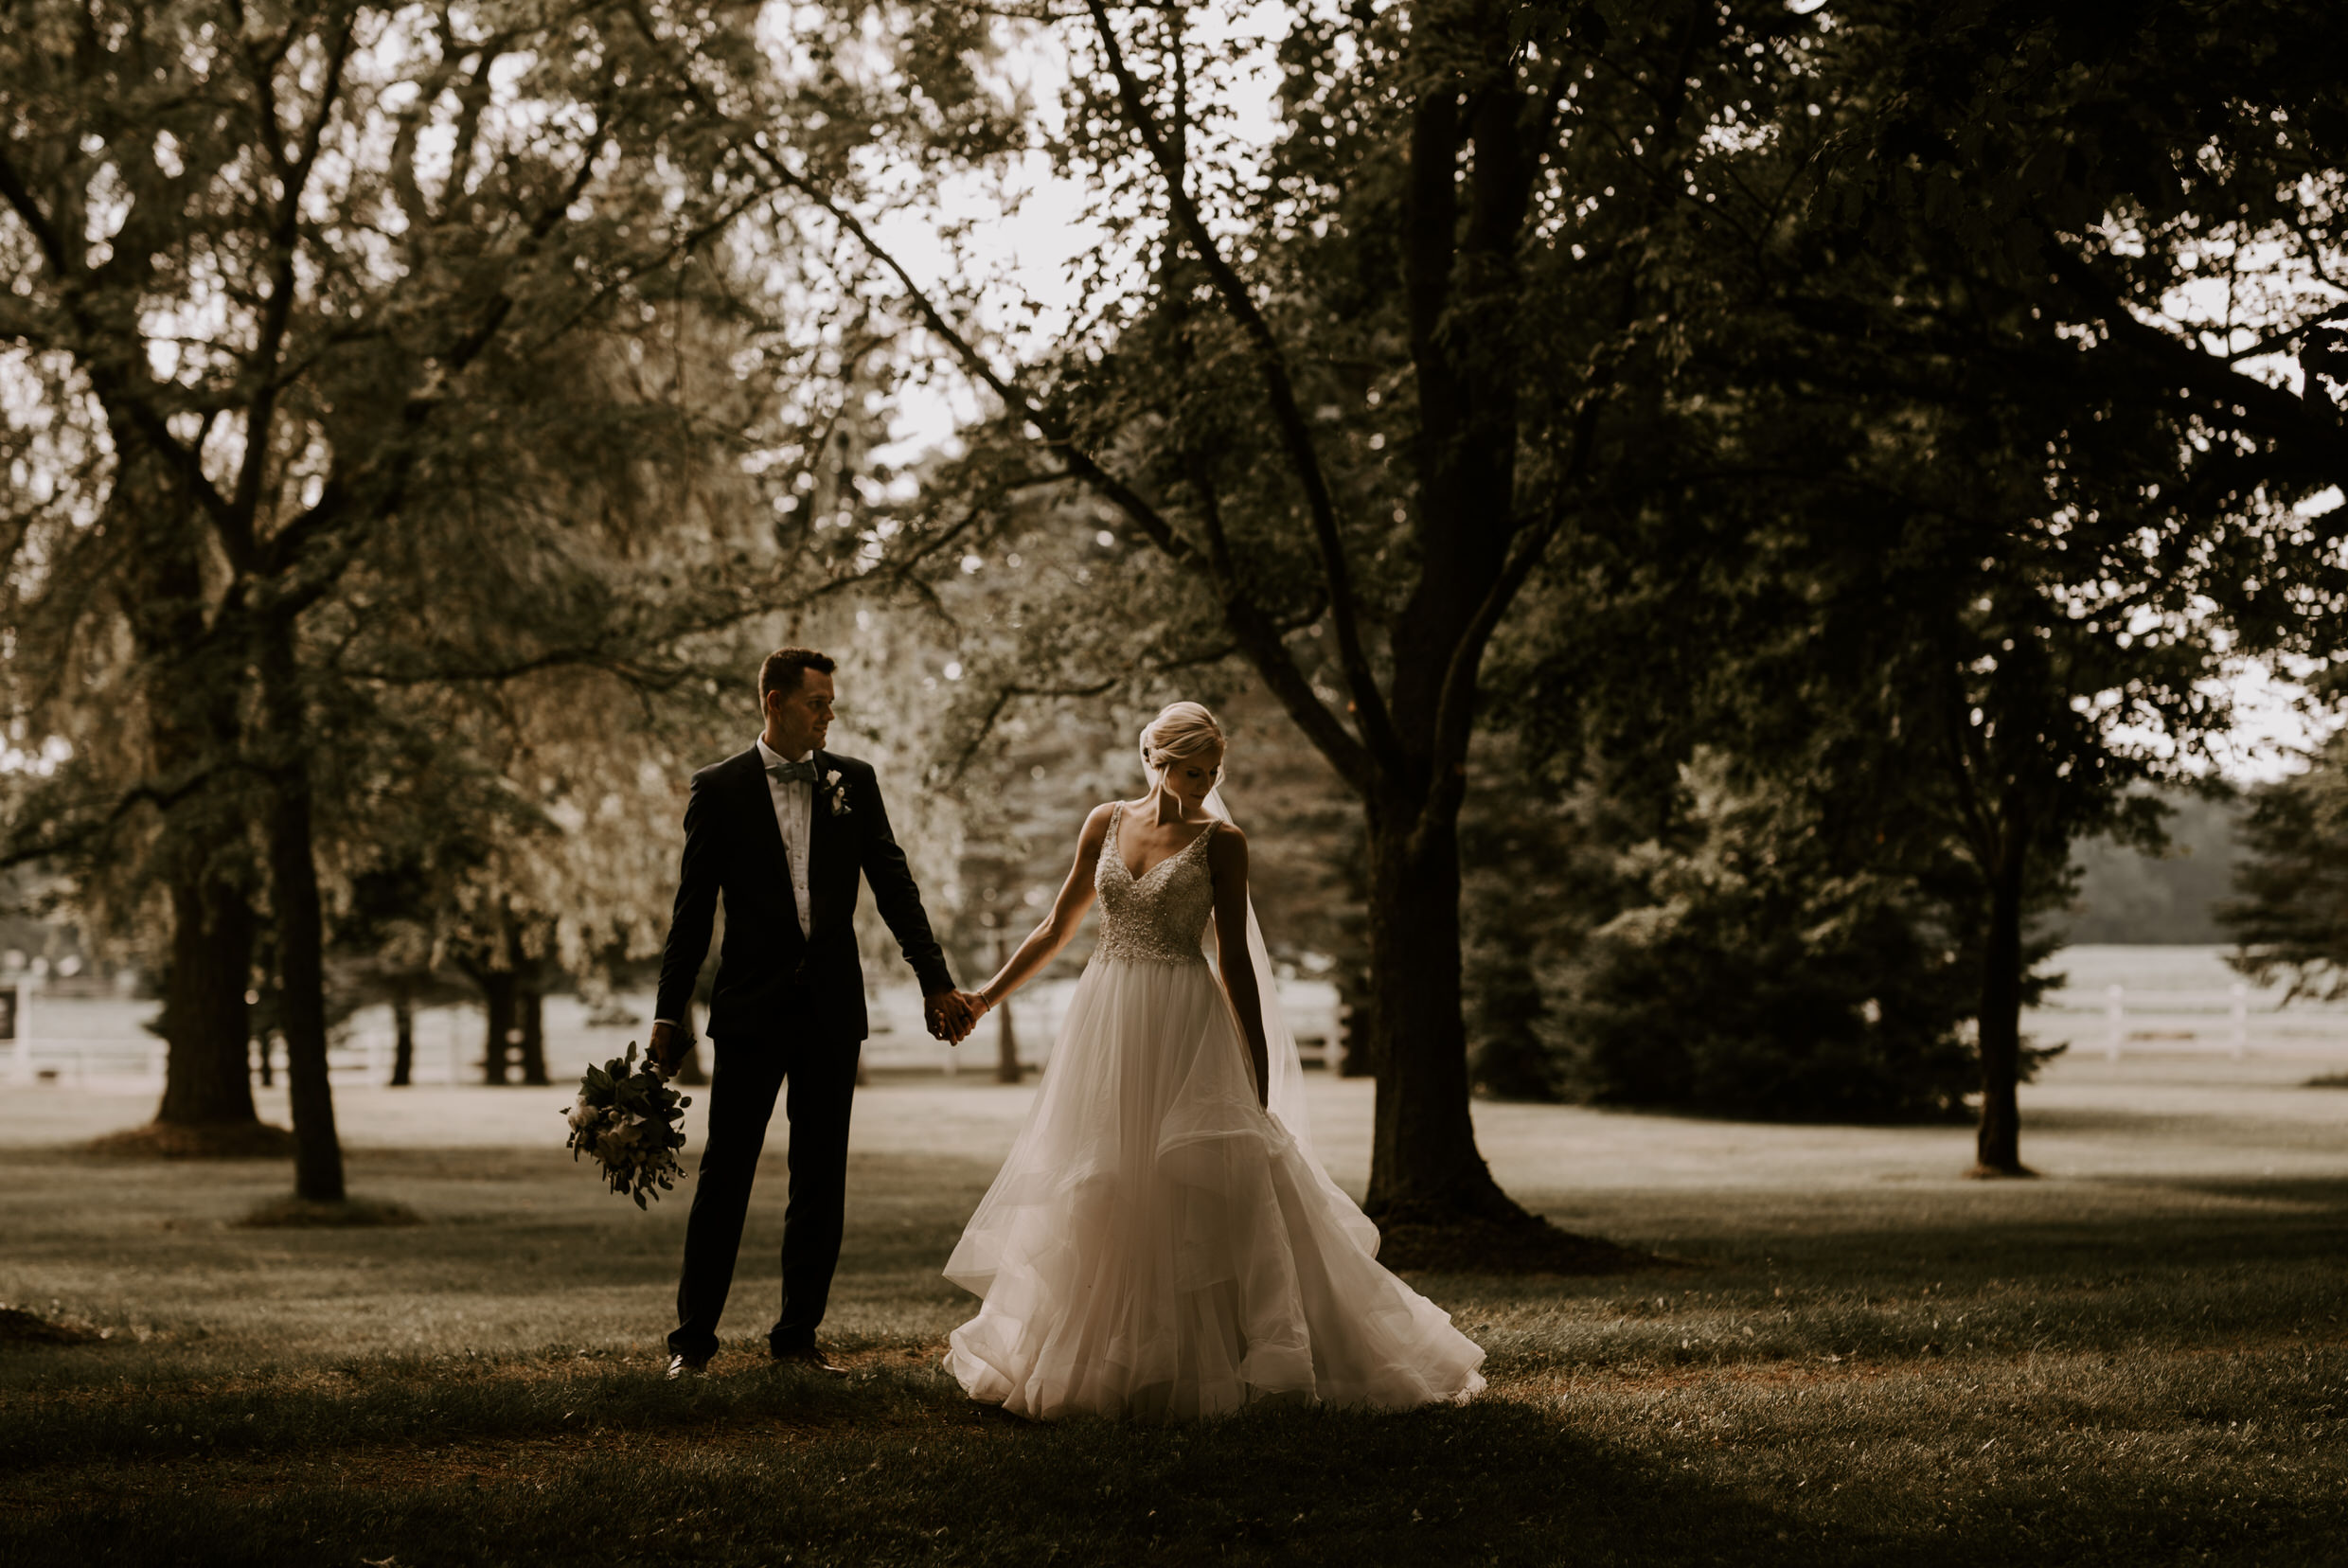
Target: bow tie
(803,771)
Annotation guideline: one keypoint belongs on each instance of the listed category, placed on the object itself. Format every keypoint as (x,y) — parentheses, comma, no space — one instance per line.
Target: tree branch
(1056,434)
(1267,648)
(144,793)
(1369,701)
(277,315)
(2209,375)
(108,375)
(1249,624)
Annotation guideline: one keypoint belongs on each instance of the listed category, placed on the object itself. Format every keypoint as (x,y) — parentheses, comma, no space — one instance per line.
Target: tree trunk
(1356,1023)
(530,1019)
(1424,1165)
(1998,1145)
(1007,1069)
(192,720)
(403,1040)
(301,928)
(498,988)
(207,1077)
(1006,1039)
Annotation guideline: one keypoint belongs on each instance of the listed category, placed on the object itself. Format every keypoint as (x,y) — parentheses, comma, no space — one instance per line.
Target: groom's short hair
(786,667)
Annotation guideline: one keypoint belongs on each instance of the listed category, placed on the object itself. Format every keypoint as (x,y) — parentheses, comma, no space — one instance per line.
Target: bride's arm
(1227,858)
(1044,942)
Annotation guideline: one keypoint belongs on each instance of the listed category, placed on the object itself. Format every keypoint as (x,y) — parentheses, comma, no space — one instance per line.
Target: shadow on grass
(254,1140)
(1493,1482)
(303,1213)
(1496,1483)
(2315,1194)
(1892,1235)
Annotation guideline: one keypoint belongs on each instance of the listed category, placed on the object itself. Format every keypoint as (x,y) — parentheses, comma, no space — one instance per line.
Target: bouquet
(627,1119)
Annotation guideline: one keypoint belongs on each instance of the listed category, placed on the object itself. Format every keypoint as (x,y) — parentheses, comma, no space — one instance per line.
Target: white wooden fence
(2131,1002)
(103,1043)
(2169,1005)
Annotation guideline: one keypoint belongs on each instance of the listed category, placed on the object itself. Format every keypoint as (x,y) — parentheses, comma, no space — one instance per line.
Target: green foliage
(1877,410)
(1967,491)
(1738,953)
(2291,917)
(1758,968)
(468,374)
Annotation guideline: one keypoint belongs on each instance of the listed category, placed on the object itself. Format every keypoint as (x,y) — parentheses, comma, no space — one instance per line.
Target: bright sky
(1026,256)
(2271,724)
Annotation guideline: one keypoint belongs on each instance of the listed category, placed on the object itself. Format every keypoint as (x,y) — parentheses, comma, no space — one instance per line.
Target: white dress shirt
(794,812)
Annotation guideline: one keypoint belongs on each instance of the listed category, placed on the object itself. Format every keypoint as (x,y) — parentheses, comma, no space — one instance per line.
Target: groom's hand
(947,1015)
(667,1046)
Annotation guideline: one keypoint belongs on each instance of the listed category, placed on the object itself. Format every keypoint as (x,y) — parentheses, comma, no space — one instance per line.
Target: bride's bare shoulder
(1096,824)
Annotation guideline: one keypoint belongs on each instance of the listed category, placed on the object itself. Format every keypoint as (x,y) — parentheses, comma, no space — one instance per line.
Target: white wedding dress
(1160,1246)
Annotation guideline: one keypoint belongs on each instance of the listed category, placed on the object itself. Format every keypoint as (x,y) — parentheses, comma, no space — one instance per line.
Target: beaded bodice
(1160,916)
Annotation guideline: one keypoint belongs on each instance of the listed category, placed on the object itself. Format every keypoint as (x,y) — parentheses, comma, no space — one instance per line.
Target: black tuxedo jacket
(772,977)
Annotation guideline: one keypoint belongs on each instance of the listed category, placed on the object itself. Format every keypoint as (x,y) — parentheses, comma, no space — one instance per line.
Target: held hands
(952,1015)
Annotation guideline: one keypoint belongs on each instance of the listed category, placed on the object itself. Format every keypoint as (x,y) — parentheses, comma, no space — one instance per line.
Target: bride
(1161,1243)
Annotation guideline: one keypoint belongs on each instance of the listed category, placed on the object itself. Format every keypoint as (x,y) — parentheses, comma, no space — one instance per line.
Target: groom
(782,830)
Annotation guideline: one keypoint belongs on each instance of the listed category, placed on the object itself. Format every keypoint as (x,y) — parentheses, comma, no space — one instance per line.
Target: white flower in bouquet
(629,1119)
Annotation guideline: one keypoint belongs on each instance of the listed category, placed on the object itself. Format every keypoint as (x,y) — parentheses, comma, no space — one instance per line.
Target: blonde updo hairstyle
(1180,730)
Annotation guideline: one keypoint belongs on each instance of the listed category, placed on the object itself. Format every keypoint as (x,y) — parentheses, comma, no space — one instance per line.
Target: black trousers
(819,1066)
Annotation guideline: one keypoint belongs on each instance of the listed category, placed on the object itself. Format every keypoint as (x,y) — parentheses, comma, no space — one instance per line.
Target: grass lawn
(2141,1358)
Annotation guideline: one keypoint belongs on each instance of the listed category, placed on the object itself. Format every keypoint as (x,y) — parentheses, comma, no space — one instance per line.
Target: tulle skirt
(1157,1246)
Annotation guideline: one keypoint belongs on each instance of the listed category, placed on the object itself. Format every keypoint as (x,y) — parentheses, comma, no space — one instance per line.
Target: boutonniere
(836,792)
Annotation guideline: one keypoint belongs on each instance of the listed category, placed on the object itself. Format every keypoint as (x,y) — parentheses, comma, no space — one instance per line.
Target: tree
(1899,298)
(2291,915)
(333,243)
(1769,960)
(1977,495)
(1984,597)
(381,944)
(1666,910)
(271,327)
(2127,475)
(1318,408)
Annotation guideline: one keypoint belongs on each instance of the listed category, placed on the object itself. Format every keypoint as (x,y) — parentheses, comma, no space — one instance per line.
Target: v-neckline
(1137,878)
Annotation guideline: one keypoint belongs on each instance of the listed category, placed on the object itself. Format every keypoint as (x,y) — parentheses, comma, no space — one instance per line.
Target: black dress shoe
(681,1365)
(811,1358)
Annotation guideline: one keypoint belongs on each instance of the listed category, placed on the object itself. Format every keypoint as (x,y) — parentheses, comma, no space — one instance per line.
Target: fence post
(20,1025)
(2115,1013)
